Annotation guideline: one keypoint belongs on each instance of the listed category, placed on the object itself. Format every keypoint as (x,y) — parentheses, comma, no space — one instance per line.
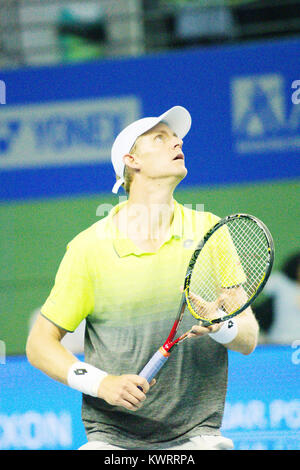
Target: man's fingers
(137,393)
(198,330)
(141,383)
(146,386)
(128,391)
(153,382)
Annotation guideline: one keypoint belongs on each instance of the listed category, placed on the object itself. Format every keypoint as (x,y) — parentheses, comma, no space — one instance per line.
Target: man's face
(159,153)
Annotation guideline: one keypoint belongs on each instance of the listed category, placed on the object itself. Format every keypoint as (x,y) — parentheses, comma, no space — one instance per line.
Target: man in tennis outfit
(123,276)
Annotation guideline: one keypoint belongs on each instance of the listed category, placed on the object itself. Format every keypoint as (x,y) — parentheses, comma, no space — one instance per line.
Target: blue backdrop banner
(262,408)
(57,124)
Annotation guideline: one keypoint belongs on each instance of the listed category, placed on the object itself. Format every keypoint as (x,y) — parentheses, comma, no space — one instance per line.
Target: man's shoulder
(197,212)
(90,236)
(196,221)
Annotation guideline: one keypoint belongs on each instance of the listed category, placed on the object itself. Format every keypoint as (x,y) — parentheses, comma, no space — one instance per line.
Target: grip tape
(154,365)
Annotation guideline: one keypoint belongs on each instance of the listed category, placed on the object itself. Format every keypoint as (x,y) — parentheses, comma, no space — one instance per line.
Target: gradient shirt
(129,299)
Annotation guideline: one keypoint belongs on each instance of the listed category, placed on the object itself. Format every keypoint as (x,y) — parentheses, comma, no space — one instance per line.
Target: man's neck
(147,220)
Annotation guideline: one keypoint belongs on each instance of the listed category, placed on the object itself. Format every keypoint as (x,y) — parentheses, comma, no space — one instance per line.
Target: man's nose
(178,142)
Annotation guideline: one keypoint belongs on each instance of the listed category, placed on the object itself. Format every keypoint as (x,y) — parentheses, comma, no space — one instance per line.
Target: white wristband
(226,333)
(85,378)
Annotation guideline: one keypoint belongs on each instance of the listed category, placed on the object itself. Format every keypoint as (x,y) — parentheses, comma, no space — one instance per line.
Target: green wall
(34,235)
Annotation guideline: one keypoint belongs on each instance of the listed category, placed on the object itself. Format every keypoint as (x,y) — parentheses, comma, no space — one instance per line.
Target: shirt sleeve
(71,298)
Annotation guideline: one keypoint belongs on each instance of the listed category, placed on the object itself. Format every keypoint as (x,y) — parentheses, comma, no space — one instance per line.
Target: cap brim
(178,119)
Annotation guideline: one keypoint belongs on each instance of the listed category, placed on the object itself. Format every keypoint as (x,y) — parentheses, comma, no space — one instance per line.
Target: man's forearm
(45,352)
(246,339)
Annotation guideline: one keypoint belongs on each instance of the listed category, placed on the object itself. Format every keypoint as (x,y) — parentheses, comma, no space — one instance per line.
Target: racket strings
(229,269)
(252,248)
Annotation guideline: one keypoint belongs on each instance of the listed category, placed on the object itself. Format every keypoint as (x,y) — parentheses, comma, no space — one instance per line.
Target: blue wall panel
(246,117)
(262,407)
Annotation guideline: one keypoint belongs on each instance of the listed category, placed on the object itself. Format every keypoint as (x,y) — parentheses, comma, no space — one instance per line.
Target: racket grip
(155,364)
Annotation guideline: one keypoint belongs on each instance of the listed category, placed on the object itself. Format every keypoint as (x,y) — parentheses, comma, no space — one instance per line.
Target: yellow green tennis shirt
(129,299)
(104,275)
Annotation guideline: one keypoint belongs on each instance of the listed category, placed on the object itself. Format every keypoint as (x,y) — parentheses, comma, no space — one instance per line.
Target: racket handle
(155,364)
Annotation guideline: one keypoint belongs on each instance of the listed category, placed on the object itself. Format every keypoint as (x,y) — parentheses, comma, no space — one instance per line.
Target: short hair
(128,172)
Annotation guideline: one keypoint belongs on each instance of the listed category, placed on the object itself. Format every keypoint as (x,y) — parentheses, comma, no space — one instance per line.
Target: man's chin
(180,176)
(183,174)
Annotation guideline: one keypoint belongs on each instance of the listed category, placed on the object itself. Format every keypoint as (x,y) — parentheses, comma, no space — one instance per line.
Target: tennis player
(123,276)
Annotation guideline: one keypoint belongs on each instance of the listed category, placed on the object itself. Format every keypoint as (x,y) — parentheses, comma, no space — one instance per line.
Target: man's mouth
(180,156)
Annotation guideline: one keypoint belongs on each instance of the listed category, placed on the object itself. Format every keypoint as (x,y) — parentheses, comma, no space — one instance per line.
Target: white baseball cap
(177,118)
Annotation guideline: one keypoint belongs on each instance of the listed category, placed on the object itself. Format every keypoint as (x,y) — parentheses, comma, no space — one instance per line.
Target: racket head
(229,268)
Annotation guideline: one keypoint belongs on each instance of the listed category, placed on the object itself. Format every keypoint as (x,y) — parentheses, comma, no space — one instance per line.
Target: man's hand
(205,309)
(199,330)
(122,390)
(229,300)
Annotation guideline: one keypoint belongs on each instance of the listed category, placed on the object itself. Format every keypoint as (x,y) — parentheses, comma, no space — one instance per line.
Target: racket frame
(161,356)
(205,321)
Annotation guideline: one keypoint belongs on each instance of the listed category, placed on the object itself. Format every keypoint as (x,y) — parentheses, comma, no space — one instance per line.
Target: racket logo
(194,258)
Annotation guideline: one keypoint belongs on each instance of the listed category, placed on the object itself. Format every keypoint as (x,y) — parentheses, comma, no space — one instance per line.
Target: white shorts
(194,443)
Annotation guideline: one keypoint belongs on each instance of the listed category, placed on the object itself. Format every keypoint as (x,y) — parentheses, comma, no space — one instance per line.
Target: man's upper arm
(43,328)
(71,298)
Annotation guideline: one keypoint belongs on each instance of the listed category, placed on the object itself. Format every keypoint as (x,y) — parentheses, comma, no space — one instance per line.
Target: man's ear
(130,161)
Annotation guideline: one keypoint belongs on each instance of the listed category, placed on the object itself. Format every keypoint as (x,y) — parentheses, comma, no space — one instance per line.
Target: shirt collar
(124,246)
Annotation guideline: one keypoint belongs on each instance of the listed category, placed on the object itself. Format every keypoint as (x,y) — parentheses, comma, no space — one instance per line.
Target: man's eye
(159,137)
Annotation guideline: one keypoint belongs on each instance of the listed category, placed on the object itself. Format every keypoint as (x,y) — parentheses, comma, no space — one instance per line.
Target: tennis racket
(227,271)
